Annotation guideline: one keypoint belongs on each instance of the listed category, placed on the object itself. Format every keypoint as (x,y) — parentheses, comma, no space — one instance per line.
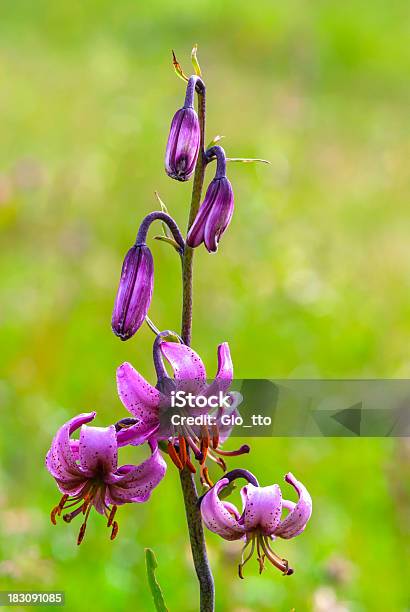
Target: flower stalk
(192,511)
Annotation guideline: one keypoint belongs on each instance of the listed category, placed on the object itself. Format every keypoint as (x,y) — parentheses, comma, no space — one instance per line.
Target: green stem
(193,514)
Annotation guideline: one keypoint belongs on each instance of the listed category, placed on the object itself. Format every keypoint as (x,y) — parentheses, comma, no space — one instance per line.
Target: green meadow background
(311,280)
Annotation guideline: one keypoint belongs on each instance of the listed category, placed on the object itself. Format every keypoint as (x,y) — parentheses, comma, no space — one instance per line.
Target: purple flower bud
(215,212)
(134,292)
(184,139)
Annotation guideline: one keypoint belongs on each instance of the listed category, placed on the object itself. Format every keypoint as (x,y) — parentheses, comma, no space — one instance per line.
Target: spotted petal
(224,375)
(187,365)
(139,397)
(299,514)
(262,508)
(135,483)
(221,517)
(98,451)
(60,460)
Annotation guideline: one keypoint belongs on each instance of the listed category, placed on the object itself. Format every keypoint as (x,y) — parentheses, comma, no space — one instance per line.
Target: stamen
(114,530)
(281,564)
(215,436)
(174,456)
(54,511)
(190,466)
(261,556)
(81,533)
(111,516)
(194,448)
(235,453)
(205,475)
(62,503)
(182,450)
(243,561)
(204,452)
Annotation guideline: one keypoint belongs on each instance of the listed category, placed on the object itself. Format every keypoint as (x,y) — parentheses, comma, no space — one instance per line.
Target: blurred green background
(311,280)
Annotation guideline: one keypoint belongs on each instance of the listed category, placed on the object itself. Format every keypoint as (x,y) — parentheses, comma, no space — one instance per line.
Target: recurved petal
(60,461)
(299,514)
(135,483)
(136,434)
(224,375)
(219,216)
(186,364)
(139,397)
(221,517)
(262,508)
(98,450)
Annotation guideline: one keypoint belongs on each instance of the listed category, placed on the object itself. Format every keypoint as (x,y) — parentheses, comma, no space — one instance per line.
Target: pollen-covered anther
(55,511)
(182,450)
(114,530)
(215,436)
(174,456)
(190,465)
(205,476)
(111,516)
(81,533)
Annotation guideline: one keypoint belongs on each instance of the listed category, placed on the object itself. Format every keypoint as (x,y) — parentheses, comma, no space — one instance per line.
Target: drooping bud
(134,292)
(215,212)
(184,138)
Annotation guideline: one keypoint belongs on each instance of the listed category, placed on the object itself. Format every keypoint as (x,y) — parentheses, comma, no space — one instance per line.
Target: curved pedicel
(165,383)
(195,83)
(218,153)
(161,216)
(233,475)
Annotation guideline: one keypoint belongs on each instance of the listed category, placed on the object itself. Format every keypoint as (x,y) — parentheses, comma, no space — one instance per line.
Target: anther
(53,513)
(215,436)
(114,530)
(190,466)
(81,533)
(174,456)
(111,516)
(206,477)
(182,450)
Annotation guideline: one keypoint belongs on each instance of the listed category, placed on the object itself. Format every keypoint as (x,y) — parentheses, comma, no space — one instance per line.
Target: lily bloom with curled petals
(261,519)
(87,473)
(149,404)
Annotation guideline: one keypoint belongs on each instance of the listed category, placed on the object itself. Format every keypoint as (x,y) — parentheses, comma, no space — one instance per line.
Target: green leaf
(215,140)
(165,229)
(195,62)
(151,325)
(156,592)
(226,491)
(178,68)
(246,160)
(170,241)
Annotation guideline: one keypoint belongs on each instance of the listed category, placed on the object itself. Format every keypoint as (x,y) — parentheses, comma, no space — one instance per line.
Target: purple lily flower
(215,212)
(87,473)
(147,403)
(184,137)
(261,519)
(134,292)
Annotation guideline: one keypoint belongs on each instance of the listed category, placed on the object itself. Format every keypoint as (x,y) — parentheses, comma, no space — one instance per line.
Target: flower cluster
(86,468)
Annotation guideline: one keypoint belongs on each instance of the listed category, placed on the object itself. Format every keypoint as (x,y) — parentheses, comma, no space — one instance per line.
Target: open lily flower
(261,519)
(87,473)
(150,404)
